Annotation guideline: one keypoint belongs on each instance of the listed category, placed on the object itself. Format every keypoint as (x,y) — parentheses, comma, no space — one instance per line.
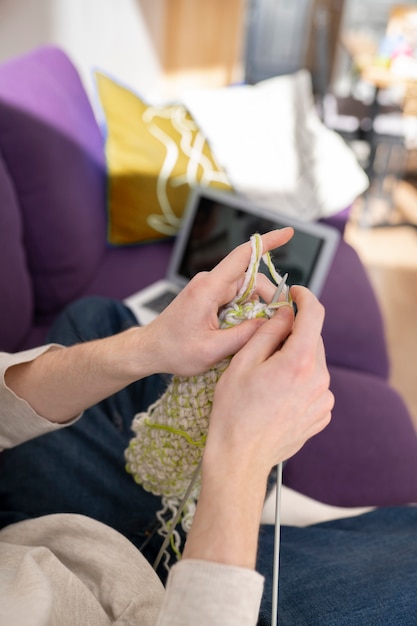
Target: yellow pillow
(154,154)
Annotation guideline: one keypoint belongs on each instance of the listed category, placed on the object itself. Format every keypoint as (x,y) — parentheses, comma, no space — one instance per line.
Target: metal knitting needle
(277,539)
(280,289)
(277,530)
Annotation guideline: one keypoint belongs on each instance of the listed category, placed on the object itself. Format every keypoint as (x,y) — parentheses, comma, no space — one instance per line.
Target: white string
(177,517)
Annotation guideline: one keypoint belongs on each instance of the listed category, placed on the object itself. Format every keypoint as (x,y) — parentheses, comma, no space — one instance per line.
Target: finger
(308,323)
(265,288)
(233,266)
(319,415)
(269,337)
(229,341)
(321,353)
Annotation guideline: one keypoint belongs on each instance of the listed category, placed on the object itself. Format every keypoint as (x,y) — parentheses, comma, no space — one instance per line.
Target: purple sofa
(53,250)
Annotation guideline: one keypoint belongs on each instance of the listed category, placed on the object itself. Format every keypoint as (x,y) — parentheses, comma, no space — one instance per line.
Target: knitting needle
(280,289)
(277,530)
(277,538)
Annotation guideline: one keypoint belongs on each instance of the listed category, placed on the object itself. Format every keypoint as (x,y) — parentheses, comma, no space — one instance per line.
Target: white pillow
(274,148)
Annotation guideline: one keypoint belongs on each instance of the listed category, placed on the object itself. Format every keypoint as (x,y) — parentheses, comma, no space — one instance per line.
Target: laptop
(214,223)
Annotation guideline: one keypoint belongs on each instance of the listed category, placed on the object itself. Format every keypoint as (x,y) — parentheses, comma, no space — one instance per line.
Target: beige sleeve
(18,421)
(211,594)
(65,570)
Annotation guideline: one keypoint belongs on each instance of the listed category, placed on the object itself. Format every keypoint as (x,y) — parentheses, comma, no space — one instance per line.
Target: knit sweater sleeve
(18,421)
(211,594)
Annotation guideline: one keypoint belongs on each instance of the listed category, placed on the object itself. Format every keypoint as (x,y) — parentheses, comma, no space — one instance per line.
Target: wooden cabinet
(199,42)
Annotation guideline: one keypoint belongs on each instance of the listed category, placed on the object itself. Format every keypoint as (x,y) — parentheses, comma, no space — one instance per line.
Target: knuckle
(305,364)
(326,380)
(320,309)
(198,284)
(198,280)
(331,400)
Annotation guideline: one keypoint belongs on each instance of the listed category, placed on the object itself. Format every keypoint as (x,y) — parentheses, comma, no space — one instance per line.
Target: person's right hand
(275,393)
(273,396)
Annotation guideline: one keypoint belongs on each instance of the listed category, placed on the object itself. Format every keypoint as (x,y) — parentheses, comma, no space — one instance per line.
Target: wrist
(235,481)
(133,355)
(228,515)
(235,456)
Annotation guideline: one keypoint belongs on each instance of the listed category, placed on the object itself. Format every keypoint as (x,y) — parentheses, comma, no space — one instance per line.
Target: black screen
(218,228)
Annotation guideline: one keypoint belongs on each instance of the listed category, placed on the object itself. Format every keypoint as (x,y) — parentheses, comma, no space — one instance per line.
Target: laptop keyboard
(161,301)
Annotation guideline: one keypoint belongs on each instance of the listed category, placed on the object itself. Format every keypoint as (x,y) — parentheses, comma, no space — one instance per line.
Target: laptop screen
(214,223)
(219,226)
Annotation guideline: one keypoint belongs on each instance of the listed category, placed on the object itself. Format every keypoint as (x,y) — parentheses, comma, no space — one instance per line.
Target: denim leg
(81,469)
(360,571)
(90,318)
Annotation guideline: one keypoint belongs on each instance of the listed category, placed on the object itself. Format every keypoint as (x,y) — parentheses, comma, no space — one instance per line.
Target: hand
(185,338)
(273,396)
(275,393)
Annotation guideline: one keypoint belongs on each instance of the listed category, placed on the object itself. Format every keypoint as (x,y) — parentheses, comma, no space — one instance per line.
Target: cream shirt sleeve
(18,421)
(211,594)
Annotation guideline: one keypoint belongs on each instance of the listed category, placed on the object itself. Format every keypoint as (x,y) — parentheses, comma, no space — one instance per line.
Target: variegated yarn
(169,438)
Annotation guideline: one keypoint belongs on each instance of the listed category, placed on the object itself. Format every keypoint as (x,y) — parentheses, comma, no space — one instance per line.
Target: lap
(359,570)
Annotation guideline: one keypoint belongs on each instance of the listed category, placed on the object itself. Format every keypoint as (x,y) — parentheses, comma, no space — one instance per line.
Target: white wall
(108,34)
(23,25)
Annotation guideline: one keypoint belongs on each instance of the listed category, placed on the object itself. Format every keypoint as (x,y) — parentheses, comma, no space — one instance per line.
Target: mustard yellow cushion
(155,155)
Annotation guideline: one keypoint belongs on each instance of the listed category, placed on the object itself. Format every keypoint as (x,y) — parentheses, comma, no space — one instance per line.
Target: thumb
(271,335)
(231,340)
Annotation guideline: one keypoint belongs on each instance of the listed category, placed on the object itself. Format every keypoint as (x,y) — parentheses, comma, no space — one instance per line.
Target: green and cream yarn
(165,453)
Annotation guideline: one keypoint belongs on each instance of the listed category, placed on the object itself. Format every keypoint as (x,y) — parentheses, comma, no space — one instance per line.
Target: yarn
(165,453)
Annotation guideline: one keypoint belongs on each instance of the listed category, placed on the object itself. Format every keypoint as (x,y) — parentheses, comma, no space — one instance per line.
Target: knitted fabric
(165,453)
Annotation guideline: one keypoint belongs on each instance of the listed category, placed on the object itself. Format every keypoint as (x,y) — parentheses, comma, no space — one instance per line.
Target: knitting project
(164,455)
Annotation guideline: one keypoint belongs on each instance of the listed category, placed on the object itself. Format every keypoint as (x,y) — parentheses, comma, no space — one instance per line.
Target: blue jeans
(356,572)
(360,571)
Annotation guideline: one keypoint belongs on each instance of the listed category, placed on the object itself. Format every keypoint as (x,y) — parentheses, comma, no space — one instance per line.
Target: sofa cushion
(154,155)
(125,270)
(353,331)
(367,456)
(15,285)
(55,155)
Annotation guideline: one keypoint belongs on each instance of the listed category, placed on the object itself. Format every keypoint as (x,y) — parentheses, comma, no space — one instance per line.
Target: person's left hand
(185,338)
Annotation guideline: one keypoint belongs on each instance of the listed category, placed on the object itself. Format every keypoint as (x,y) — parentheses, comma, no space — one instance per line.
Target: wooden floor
(390,257)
